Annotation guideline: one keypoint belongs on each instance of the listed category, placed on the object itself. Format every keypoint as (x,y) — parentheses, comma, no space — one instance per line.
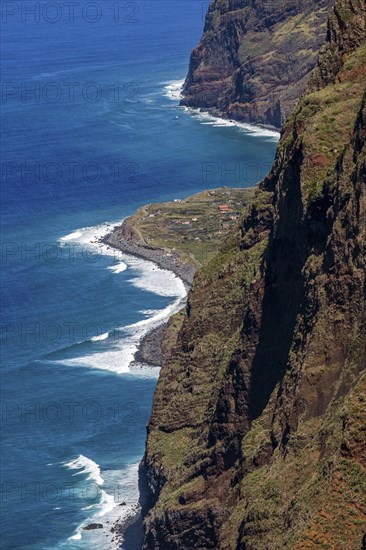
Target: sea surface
(91,130)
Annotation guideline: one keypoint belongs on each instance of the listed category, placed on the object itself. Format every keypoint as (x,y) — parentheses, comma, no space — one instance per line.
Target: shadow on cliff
(283,291)
(133,534)
(269,322)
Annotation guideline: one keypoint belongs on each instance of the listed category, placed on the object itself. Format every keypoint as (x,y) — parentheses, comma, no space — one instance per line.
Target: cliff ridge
(257,434)
(255,58)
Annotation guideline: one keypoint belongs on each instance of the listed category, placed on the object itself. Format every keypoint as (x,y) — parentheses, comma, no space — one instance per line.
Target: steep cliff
(255,58)
(257,439)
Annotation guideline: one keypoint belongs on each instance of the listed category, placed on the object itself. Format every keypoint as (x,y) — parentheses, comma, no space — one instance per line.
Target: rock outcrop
(255,58)
(257,434)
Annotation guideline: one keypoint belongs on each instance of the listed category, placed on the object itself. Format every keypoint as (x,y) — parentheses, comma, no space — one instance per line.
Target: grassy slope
(162,225)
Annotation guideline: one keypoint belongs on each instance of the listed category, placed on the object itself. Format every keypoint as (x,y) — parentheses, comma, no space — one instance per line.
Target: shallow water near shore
(74,409)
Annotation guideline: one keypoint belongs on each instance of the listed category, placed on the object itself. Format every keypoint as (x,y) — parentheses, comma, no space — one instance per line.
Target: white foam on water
(107,504)
(89,240)
(148,311)
(154,279)
(147,276)
(89,237)
(71,236)
(117,361)
(119,357)
(77,536)
(100,338)
(85,465)
(174,90)
(209,120)
(119,268)
(116,504)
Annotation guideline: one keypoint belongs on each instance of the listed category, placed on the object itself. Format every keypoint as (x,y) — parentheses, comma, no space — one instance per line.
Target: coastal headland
(180,236)
(183,234)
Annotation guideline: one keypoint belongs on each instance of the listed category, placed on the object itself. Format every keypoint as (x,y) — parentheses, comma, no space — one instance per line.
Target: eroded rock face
(255,58)
(257,434)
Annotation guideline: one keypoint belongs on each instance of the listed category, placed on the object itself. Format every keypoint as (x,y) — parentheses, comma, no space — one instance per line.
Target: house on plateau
(223,208)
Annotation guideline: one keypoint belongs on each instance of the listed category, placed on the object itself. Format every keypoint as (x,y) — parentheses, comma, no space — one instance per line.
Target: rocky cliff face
(255,58)
(257,438)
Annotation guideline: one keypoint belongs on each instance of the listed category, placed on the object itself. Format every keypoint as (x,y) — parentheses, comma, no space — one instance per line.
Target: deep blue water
(88,135)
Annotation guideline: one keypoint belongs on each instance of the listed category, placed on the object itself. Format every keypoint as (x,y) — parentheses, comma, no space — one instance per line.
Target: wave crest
(85,465)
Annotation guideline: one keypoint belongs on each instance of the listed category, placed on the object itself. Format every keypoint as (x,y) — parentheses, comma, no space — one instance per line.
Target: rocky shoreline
(129,531)
(163,258)
(223,115)
(150,349)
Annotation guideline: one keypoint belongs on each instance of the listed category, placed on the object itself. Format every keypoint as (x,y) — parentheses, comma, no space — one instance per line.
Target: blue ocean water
(91,130)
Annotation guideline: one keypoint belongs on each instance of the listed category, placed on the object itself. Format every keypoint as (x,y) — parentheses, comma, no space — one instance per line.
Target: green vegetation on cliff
(255,58)
(193,227)
(257,439)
